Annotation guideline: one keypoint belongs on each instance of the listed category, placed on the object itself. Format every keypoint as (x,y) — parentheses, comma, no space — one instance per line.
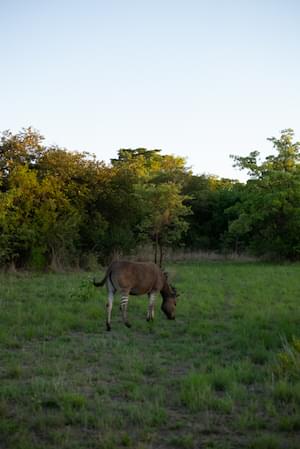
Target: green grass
(224,374)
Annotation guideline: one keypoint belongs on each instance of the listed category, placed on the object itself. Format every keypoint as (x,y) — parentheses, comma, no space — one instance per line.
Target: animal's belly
(138,291)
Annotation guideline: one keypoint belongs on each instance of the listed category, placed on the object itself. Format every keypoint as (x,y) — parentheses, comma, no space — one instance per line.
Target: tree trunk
(161,254)
(54,264)
(12,267)
(156,248)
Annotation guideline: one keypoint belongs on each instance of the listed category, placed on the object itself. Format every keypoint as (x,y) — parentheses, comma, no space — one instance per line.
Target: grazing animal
(137,278)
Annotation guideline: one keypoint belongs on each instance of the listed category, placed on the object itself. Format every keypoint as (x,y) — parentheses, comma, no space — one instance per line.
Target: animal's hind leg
(124,305)
(109,309)
(150,313)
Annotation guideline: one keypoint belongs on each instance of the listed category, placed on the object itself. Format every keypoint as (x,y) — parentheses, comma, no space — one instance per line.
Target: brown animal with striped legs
(137,278)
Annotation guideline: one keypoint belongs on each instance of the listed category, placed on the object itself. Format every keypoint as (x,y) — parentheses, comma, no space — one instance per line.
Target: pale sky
(199,79)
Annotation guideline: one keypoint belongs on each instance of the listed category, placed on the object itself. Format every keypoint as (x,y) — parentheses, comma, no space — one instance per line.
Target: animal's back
(137,278)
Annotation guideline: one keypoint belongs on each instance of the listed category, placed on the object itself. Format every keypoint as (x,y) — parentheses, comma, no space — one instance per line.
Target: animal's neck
(166,291)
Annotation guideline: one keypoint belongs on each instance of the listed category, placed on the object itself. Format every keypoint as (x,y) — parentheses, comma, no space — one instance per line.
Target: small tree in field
(154,203)
(164,216)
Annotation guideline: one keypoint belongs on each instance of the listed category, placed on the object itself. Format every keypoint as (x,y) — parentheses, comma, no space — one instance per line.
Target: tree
(269,211)
(209,198)
(56,223)
(38,225)
(22,149)
(154,202)
(84,183)
(17,207)
(151,165)
(46,202)
(164,216)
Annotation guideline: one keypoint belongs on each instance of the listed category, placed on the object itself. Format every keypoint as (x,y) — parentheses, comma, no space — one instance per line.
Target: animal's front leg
(124,305)
(150,313)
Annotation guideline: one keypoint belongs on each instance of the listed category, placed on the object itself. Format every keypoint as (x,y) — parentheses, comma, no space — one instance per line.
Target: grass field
(225,374)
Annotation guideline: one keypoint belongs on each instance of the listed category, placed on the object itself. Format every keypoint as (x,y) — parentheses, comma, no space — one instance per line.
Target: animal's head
(169,303)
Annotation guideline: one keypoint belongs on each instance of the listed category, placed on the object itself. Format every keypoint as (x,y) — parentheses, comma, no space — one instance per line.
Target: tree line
(61,209)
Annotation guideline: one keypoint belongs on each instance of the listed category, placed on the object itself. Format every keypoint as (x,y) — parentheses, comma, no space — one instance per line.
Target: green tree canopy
(269,211)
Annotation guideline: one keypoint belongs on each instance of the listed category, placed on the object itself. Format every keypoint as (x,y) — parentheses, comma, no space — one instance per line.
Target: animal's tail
(101,283)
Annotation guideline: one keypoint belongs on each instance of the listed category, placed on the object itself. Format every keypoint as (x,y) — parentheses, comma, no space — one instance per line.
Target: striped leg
(124,304)
(150,313)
